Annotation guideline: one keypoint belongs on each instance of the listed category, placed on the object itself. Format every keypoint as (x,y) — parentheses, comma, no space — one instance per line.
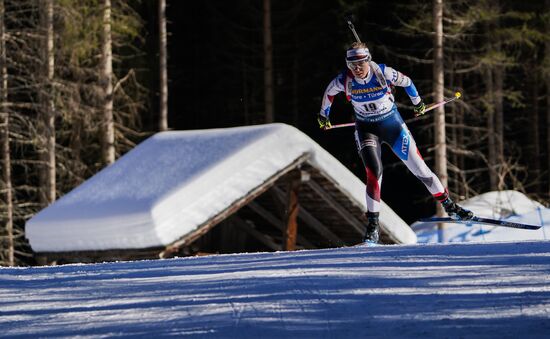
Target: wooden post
(293,208)
(291,230)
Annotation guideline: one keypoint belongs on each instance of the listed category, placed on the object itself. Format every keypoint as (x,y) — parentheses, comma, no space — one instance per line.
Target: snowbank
(175,181)
(505,205)
(415,291)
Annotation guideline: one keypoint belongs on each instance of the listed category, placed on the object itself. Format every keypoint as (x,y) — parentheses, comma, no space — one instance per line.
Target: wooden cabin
(264,188)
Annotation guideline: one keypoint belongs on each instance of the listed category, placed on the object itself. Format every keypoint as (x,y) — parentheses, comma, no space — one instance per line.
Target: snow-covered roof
(174,182)
(506,205)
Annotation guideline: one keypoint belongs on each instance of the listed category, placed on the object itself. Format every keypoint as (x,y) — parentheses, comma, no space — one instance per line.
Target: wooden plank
(278,201)
(312,222)
(49,258)
(345,214)
(278,224)
(318,226)
(264,239)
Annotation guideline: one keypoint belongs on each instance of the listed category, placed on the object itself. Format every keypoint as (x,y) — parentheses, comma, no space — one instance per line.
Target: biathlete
(377,120)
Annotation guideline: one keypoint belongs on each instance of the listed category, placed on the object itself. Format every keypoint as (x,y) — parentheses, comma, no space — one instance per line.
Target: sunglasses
(356,64)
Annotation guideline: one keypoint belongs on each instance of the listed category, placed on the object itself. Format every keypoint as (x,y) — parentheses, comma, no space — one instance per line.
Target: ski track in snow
(491,290)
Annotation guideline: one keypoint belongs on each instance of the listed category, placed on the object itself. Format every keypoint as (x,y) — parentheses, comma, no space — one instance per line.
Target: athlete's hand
(419,109)
(323,121)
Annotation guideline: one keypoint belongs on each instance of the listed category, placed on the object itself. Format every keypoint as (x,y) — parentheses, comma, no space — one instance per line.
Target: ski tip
(458,95)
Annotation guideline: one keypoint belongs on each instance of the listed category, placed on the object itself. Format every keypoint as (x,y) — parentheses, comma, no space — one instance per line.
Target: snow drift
(415,291)
(506,205)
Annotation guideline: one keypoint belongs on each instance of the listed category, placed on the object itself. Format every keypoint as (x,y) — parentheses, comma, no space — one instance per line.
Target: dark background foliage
(216,75)
(216,80)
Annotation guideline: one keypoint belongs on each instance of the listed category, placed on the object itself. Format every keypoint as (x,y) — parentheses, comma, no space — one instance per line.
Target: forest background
(84,81)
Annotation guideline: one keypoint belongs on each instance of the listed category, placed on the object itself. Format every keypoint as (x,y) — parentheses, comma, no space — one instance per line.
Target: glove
(419,108)
(323,121)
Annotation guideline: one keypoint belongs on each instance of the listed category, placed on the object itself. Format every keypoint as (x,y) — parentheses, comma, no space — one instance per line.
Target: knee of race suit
(370,155)
(369,150)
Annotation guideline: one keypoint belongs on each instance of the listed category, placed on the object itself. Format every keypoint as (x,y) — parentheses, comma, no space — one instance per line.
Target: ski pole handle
(444,102)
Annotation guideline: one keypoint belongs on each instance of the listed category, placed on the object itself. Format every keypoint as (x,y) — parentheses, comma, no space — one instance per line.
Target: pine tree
(6,236)
(163,109)
(47,106)
(439,113)
(21,84)
(50,117)
(546,73)
(106,80)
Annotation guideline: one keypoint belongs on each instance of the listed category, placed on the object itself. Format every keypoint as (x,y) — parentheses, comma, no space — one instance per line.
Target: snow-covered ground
(491,290)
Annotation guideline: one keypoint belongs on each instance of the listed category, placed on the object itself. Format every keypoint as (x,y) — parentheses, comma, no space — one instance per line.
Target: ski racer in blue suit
(377,120)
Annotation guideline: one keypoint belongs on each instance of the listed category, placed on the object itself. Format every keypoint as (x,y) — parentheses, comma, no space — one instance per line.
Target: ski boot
(455,211)
(371,233)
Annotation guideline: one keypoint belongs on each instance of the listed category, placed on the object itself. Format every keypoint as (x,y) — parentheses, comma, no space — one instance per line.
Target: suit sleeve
(397,78)
(336,86)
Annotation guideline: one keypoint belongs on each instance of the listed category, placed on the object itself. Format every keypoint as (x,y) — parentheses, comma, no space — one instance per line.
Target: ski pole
(436,105)
(349,124)
(429,108)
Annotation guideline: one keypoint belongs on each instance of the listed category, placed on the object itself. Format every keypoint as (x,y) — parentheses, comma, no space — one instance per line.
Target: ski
(485,221)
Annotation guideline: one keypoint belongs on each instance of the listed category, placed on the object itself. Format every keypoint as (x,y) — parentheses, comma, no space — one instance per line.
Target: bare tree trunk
(548,115)
(499,73)
(246,104)
(268,64)
(461,164)
(295,97)
(547,77)
(535,136)
(48,185)
(5,140)
(163,111)
(499,122)
(108,137)
(491,142)
(457,137)
(453,177)
(439,115)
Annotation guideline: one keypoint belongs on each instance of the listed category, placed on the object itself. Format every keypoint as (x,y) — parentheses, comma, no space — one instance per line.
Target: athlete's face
(360,69)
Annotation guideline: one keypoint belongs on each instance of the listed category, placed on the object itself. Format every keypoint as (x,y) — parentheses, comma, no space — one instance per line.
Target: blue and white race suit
(378,121)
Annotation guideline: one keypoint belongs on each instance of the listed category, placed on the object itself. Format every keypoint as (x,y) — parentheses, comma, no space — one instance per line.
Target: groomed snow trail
(496,290)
